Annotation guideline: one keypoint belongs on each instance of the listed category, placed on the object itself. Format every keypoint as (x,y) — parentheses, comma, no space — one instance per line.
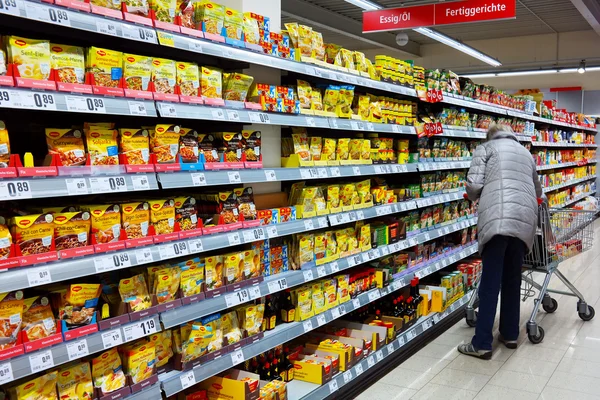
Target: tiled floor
(566,365)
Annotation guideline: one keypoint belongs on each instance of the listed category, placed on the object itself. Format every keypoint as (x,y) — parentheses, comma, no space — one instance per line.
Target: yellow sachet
(68,62)
(188,78)
(106,66)
(75,382)
(137,71)
(107,371)
(164,75)
(134,144)
(31,57)
(102,146)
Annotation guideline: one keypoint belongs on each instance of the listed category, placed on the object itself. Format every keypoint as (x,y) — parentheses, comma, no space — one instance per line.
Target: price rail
(565,165)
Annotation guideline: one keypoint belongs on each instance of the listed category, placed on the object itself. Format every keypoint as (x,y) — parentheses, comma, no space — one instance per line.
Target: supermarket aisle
(566,365)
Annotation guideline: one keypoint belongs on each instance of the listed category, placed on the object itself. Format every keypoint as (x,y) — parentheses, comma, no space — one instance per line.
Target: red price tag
(429,129)
(434,96)
(439,129)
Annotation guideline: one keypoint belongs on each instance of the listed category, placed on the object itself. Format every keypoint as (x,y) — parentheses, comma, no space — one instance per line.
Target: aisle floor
(566,365)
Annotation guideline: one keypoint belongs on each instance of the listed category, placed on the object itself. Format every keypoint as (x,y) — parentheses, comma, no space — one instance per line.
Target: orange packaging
(106,222)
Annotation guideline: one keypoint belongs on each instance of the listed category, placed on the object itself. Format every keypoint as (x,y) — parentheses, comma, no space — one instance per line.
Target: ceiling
(534,17)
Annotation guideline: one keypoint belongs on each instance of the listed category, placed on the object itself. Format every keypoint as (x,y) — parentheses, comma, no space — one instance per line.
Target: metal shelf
(463,132)
(439,166)
(564,165)
(575,200)
(152,393)
(570,183)
(562,144)
(172,381)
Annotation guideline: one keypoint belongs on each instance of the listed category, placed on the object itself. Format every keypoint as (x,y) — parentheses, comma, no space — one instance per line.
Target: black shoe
(470,350)
(510,344)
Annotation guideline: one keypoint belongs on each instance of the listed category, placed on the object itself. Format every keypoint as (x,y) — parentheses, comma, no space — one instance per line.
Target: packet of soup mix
(40,388)
(106,222)
(75,381)
(134,291)
(192,276)
(71,229)
(68,144)
(107,371)
(139,360)
(33,234)
(163,344)
(164,143)
(162,216)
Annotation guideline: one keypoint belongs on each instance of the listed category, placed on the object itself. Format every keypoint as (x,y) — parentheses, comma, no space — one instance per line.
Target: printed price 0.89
(59,16)
(16,189)
(121,260)
(117,183)
(4,94)
(95,104)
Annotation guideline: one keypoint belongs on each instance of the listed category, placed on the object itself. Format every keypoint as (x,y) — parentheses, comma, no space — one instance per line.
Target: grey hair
(494,129)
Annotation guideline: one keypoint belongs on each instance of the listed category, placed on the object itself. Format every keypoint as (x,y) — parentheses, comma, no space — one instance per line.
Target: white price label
(395,128)
(143,256)
(254,235)
(259,118)
(9,98)
(374,295)
(335,313)
(173,250)
(41,361)
(198,179)
(309,225)
(392,347)
(307,326)
(233,239)
(310,121)
(309,173)
(359,369)
(462,254)
(308,276)
(6,372)
(272,231)
(347,377)
(9,7)
(322,172)
(111,338)
(333,386)
(187,379)
(354,260)
(334,267)
(39,276)
(140,329)
(277,285)
(106,27)
(385,250)
(370,362)
(335,172)
(370,126)
(48,14)
(401,341)
(38,101)
(356,303)
(140,182)
(139,33)
(411,335)
(321,271)
(13,190)
(270,175)
(236,298)
(76,186)
(321,320)
(234,177)
(218,114)
(360,215)
(77,349)
(85,104)
(195,246)
(427,324)
(233,115)
(356,170)
(237,357)
(137,108)
(254,292)
(195,46)
(108,184)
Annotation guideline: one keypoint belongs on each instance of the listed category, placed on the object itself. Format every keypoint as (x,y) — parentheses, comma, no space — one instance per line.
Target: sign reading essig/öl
(456,12)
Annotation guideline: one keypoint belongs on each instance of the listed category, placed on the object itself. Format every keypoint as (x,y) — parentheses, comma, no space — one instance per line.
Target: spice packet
(134,144)
(185,213)
(11,317)
(210,16)
(33,233)
(107,371)
(134,291)
(40,388)
(162,216)
(164,75)
(164,143)
(211,83)
(137,71)
(102,146)
(68,62)
(192,276)
(188,145)
(188,78)
(252,143)
(138,7)
(206,144)
(75,381)
(38,319)
(245,202)
(236,86)
(71,230)
(214,272)
(78,306)
(166,284)
(233,23)
(106,222)
(135,218)
(105,65)
(68,144)
(163,345)
(4,146)
(5,239)
(164,10)
(31,57)
(232,146)
(301,146)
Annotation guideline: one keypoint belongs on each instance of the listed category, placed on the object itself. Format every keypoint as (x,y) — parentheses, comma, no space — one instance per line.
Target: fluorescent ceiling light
(532,72)
(365,4)
(581,68)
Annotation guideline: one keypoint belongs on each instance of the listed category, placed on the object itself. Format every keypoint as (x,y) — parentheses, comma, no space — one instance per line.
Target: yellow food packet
(332,98)
(134,144)
(211,83)
(343,149)
(31,57)
(106,222)
(164,10)
(211,16)
(33,234)
(192,276)
(306,247)
(316,144)
(316,101)
(333,196)
(355,149)
(163,345)
(234,264)
(328,151)
(162,215)
(188,78)
(40,388)
(102,146)
(107,371)
(251,30)
(167,283)
(68,62)
(68,144)
(318,47)
(71,230)
(75,382)
(304,94)
(164,75)
(305,40)
(292,29)
(347,194)
(233,23)
(11,317)
(4,146)
(38,318)
(301,147)
(140,361)
(164,143)
(214,272)
(364,191)
(236,86)
(251,264)
(137,71)
(134,291)
(198,342)
(106,66)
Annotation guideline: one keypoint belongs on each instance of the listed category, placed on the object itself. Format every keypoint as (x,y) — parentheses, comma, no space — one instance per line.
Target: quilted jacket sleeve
(476,176)
(536,181)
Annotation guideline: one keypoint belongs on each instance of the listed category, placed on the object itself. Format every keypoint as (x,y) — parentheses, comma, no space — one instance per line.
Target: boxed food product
(134,144)
(71,229)
(137,71)
(105,66)
(31,57)
(106,222)
(67,144)
(33,234)
(188,78)
(164,75)
(68,62)
(102,146)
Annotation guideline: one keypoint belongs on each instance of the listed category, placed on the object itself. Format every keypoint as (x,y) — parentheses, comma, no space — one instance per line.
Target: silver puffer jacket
(504,179)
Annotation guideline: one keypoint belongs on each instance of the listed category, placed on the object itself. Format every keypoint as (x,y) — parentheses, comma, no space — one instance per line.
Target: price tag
(187,379)
(335,313)
(39,276)
(138,33)
(333,386)
(272,231)
(427,236)
(140,182)
(38,101)
(218,114)
(41,361)
(334,267)
(356,170)
(111,338)
(168,110)
(427,324)
(309,173)
(370,126)
(322,172)
(354,260)
(76,186)
(307,326)
(9,7)
(234,239)
(370,362)
(236,298)
(347,377)
(234,177)
(108,184)
(13,190)
(356,303)
(385,250)
(310,121)
(309,225)
(198,179)
(308,275)
(270,175)
(411,335)
(254,235)
(335,172)
(401,341)
(254,292)
(277,285)
(144,256)
(462,254)
(137,108)
(374,295)
(85,104)
(6,373)
(9,98)
(321,271)
(321,320)
(392,347)
(140,329)
(47,14)
(259,118)
(333,123)
(103,264)
(237,357)
(195,46)
(359,369)
(173,250)
(233,115)
(78,349)
(360,215)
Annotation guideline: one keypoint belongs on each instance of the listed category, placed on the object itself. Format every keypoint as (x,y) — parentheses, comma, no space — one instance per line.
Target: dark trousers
(502,262)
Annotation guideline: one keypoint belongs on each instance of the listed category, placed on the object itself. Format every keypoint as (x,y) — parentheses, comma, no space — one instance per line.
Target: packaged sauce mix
(31,57)
(163,345)
(107,371)
(252,144)
(232,146)
(210,16)
(164,10)
(77,304)
(75,381)
(68,62)
(188,146)
(164,75)
(106,222)
(105,65)
(214,272)
(11,315)
(102,146)
(135,218)
(140,360)
(33,234)
(236,86)
(192,276)
(134,292)
(211,83)
(164,143)
(185,213)
(4,146)
(68,144)
(245,200)
(162,216)
(137,71)
(5,239)
(71,230)
(166,284)
(188,78)
(134,144)
(40,388)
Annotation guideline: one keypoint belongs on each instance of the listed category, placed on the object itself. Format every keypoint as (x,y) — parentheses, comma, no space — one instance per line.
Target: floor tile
(431,391)
(439,351)
(579,367)
(385,391)
(575,383)
(552,393)
(425,364)
(583,353)
(453,339)
(472,364)
(492,392)
(461,379)
(407,378)
(519,381)
(530,366)
(528,350)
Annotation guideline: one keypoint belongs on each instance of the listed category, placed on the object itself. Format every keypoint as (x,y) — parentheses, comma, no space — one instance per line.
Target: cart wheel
(588,317)
(551,308)
(537,339)
(472,322)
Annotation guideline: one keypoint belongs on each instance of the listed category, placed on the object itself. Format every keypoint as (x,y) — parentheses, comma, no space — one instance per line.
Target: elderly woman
(503,178)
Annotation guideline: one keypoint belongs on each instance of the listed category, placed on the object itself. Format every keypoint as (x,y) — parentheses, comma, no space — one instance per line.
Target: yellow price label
(166,39)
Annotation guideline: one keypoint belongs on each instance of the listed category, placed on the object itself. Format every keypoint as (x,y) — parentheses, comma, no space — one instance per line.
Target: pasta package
(134,291)
(211,16)
(68,62)
(135,218)
(211,83)
(71,229)
(252,144)
(31,57)
(188,145)
(102,146)
(164,143)
(68,144)
(188,78)
(164,10)
(137,71)
(33,234)
(106,66)
(251,30)
(164,75)
(233,22)
(107,371)
(236,86)
(11,317)
(4,146)
(134,144)
(79,304)
(185,213)
(106,222)
(75,382)
(162,216)
(40,388)
(140,361)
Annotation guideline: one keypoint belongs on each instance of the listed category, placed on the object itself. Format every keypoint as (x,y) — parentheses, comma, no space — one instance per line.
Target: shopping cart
(561,234)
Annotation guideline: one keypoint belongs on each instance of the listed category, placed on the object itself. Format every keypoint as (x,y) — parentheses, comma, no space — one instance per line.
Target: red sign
(457,12)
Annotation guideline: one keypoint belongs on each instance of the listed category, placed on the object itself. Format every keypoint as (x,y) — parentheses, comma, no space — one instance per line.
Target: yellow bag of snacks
(211,16)
(4,146)
(211,83)
(164,10)
(134,291)
(162,215)
(192,277)
(167,284)
(106,66)
(79,304)
(233,23)
(305,40)
(164,143)
(164,75)
(135,219)
(40,388)
(140,361)
(102,146)
(68,144)
(71,230)
(31,57)
(33,233)
(188,78)
(68,62)
(137,71)
(75,381)
(107,371)
(5,239)
(163,343)
(214,272)
(106,222)
(185,213)
(236,86)
(251,30)
(134,144)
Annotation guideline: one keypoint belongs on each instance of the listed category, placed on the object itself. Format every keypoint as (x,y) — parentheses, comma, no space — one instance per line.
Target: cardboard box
(231,386)
(312,369)
(378,333)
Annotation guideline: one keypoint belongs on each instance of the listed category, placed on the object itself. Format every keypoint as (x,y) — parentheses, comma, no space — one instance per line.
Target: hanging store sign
(458,12)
